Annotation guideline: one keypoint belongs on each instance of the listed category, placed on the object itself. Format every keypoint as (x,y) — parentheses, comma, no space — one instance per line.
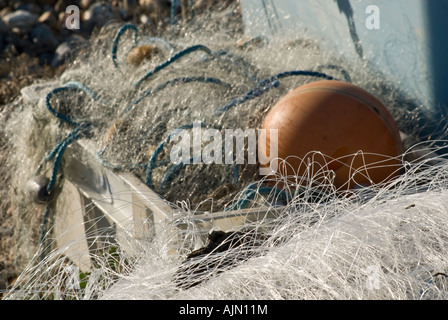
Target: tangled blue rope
(173,82)
(135,41)
(171,60)
(222,55)
(69,87)
(59,150)
(240,64)
(173,170)
(123,29)
(81,128)
(152,164)
(253,190)
(266,85)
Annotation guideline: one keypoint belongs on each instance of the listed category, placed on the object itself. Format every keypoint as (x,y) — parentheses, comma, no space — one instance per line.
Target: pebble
(30,7)
(85,4)
(61,53)
(65,49)
(49,18)
(5,11)
(20,19)
(99,14)
(43,36)
(38,27)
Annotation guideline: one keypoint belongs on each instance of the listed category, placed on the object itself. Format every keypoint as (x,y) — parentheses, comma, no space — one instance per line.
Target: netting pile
(380,242)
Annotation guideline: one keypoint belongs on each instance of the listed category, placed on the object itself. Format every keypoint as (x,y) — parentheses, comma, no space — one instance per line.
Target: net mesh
(379,242)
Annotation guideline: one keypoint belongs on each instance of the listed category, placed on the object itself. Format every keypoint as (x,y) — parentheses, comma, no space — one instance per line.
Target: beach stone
(5,11)
(99,14)
(43,36)
(49,18)
(85,4)
(30,7)
(65,50)
(61,54)
(144,19)
(20,19)
(18,43)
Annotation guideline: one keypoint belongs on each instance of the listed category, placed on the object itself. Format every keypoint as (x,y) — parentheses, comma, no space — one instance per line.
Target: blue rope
(251,191)
(145,95)
(123,29)
(173,82)
(239,62)
(61,116)
(81,86)
(152,164)
(262,86)
(71,137)
(170,173)
(57,154)
(81,128)
(176,168)
(343,72)
(69,87)
(172,59)
(266,85)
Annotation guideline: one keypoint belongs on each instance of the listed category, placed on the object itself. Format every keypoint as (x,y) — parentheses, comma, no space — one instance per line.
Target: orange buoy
(334,126)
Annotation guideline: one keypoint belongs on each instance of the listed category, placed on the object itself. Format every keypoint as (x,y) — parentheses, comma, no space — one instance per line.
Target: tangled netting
(308,240)
(378,243)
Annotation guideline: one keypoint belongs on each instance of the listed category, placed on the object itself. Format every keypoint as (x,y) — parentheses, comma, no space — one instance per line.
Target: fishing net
(309,240)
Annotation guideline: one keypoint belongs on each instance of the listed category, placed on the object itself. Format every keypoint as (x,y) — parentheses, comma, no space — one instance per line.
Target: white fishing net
(310,242)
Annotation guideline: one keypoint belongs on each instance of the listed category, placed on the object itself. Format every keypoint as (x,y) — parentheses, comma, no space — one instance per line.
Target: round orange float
(335,126)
